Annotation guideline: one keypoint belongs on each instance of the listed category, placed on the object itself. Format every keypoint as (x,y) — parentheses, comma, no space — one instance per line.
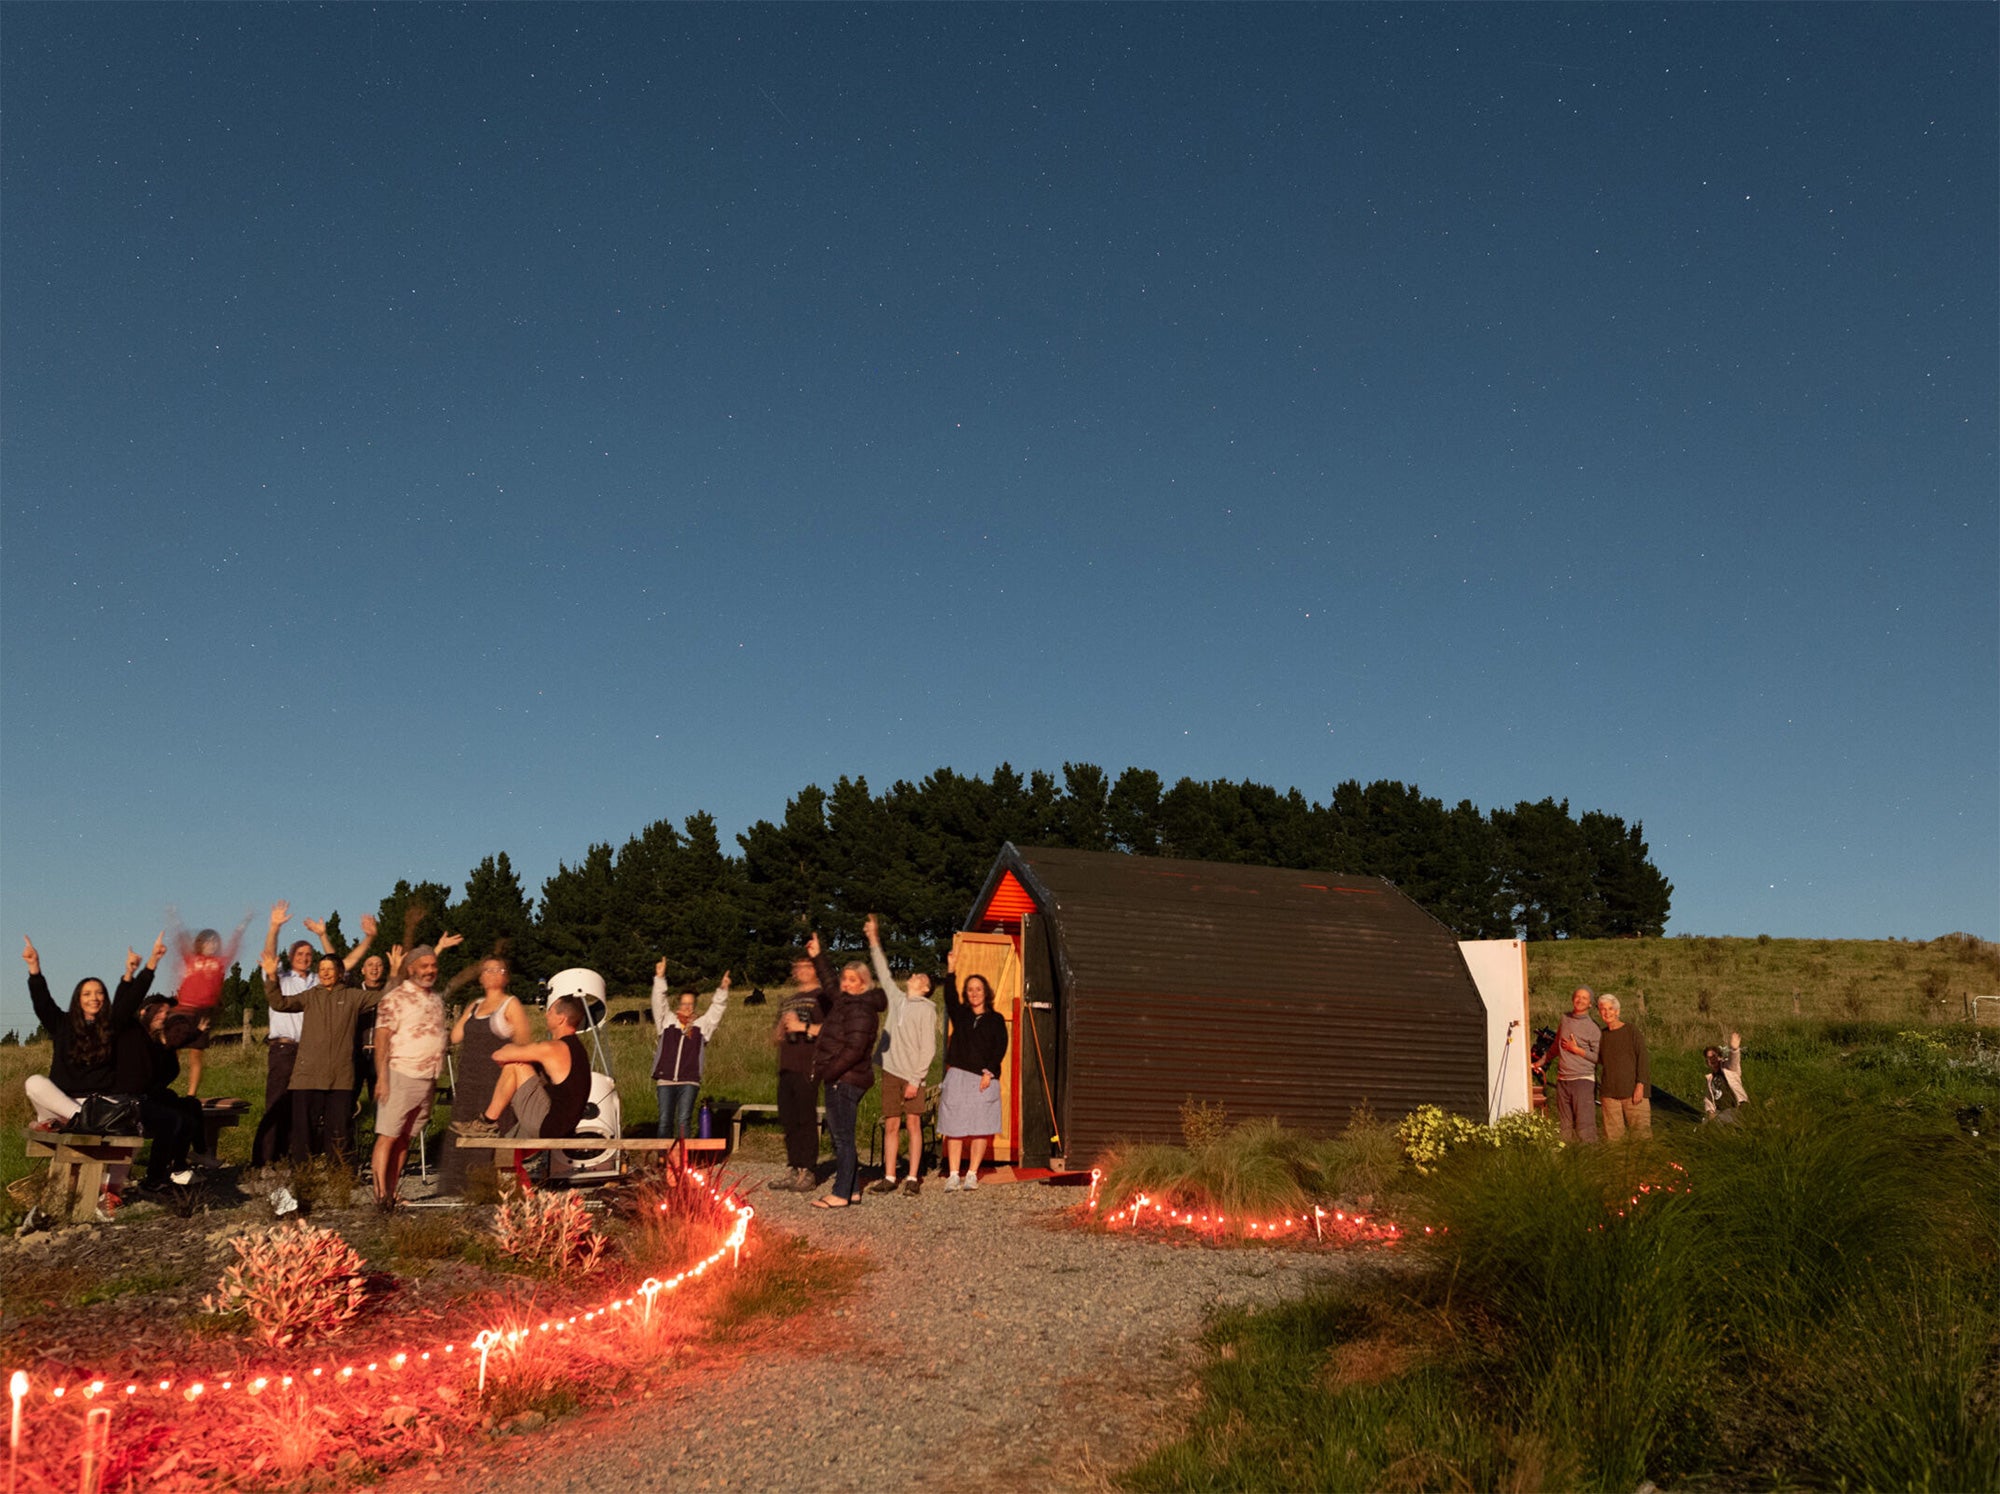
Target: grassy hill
(1692,991)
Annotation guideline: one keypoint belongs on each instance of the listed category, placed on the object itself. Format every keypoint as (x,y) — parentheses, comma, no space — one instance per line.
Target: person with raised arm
(321,1083)
(909,1043)
(281,1042)
(844,1064)
(147,1065)
(1723,1091)
(82,1039)
(969,1104)
(681,1057)
(410,1042)
(204,960)
(796,1037)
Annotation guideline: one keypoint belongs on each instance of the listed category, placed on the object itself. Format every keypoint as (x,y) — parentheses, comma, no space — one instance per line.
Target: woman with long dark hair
(969,1104)
(82,1038)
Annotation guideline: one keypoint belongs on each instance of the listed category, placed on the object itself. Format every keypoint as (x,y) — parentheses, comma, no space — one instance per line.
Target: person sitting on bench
(547,1083)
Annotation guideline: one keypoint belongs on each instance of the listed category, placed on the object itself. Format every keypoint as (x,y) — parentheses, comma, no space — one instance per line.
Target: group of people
(832,1035)
(1604,1073)
(339,1024)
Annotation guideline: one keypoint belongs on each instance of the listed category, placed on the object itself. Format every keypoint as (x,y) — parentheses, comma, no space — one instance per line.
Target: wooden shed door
(992,955)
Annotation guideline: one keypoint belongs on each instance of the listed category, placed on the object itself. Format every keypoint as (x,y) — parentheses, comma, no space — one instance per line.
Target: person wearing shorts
(907,1045)
(410,1042)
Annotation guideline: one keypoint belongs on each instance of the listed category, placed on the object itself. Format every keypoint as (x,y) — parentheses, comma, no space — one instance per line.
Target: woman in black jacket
(83,1038)
(844,1062)
(969,1104)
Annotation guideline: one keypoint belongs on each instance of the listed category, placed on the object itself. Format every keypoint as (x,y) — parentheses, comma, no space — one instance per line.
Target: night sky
(438,431)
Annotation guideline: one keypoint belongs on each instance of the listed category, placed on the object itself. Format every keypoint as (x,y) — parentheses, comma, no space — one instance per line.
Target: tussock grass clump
(1808,1297)
(1253,1168)
(1361,1163)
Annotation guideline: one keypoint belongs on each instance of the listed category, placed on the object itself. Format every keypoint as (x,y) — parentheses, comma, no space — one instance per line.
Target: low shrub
(295,1282)
(552,1231)
(1429,1134)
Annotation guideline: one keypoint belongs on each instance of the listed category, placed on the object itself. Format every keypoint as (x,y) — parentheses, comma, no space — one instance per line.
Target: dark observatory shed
(1135,983)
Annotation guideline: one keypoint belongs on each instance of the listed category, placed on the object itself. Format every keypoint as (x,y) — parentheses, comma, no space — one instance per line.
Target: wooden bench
(218,1116)
(590,1143)
(78,1161)
(517,1144)
(742,1112)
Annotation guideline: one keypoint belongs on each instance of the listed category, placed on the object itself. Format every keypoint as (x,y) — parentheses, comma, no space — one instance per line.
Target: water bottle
(706,1124)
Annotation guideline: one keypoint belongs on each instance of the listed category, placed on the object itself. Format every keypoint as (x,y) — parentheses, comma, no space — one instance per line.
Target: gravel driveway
(986,1348)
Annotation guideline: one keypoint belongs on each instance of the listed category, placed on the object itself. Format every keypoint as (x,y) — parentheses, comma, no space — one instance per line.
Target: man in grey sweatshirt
(907,1045)
(1577,1042)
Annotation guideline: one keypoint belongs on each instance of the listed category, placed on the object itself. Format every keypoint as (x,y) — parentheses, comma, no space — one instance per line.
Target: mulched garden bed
(122,1303)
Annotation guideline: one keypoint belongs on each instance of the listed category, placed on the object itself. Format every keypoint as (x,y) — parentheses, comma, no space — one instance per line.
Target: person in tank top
(484,1026)
(560,1066)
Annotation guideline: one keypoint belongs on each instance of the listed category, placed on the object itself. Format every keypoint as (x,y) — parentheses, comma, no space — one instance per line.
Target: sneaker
(206,1161)
(953,1183)
(971,1181)
(480,1126)
(882,1185)
(911,1187)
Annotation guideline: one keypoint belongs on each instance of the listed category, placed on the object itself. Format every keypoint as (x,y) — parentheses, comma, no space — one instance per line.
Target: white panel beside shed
(1500,969)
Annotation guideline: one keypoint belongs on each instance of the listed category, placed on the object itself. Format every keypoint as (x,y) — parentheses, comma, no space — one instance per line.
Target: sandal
(831,1202)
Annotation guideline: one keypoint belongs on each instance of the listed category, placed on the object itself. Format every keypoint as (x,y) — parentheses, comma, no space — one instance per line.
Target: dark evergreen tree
(494,917)
(1083,814)
(1632,896)
(785,881)
(1547,870)
(1132,814)
(412,914)
(584,922)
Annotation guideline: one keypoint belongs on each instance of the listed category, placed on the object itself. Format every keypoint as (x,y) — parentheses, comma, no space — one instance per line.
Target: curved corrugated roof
(1276,992)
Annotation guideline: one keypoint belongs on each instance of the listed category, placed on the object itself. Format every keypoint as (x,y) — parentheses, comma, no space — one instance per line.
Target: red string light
(209,1386)
(1355,1229)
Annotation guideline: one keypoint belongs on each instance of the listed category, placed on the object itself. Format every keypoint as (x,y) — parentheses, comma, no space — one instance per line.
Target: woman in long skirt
(493,1021)
(969,1104)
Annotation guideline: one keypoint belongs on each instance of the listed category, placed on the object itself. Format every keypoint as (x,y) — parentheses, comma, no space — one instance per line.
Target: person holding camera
(796,1036)
(1724,1081)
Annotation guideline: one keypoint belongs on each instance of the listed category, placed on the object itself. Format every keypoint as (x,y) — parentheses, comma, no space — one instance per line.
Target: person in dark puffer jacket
(844,1062)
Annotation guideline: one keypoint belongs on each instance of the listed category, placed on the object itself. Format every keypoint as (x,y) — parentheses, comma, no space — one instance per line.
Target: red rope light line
(1350,1229)
(193,1389)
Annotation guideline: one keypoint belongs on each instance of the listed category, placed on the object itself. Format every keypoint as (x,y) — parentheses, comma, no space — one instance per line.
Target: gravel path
(984,1349)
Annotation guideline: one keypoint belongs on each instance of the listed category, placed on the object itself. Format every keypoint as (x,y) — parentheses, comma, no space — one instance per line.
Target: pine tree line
(918,853)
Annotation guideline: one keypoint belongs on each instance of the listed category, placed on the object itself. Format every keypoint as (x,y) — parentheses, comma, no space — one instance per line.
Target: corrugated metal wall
(1293,994)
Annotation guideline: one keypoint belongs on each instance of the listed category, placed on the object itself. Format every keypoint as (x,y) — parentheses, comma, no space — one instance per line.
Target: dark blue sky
(437,431)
